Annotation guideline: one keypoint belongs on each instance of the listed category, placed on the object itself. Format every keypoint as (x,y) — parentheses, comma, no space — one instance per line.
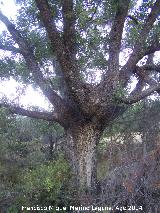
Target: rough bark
(81,148)
(115,42)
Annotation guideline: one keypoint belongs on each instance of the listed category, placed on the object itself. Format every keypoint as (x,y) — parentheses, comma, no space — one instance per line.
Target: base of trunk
(82,153)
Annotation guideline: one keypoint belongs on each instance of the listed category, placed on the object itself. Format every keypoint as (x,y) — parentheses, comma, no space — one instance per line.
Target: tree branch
(48,116)
(69,32)
(143,74)
(151,67)
(110,79)
(116,35)
(139,50)
(139,96)
(111,76)
(63,53)
(139,87)
(53,34)
(33,66)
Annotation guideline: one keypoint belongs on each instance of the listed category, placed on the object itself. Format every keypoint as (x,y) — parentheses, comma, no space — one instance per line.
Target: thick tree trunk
(82,143)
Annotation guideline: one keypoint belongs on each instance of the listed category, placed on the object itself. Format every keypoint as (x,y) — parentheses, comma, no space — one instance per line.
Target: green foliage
(93,24)
(133,29)
(138,118)
(26,176)
(44,183)
(125,122)
(119,93)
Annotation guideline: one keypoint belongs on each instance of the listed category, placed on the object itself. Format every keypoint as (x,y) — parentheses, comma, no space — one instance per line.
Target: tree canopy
(60,47)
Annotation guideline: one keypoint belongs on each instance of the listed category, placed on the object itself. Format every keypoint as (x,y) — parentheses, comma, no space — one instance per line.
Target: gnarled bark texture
(81,146)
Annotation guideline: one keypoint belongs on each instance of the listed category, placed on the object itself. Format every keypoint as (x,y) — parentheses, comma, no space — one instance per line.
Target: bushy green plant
(45,185)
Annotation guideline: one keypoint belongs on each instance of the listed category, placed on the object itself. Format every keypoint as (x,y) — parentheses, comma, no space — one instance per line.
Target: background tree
(59,44)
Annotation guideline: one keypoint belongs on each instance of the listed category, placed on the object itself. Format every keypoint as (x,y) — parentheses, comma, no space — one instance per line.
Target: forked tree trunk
(82,143)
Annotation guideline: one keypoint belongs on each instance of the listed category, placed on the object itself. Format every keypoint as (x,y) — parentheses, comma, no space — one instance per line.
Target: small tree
(60,43)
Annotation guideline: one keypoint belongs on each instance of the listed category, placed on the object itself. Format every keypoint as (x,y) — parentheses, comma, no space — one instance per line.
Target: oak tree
(59,46)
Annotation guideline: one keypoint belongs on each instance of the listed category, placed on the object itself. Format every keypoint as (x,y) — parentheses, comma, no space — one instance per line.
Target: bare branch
(48,116)
(151,67)
(116,35)
(142,95)
(33,66)
(53,34)
(115,44)
(144,75)
(139,50)
(69,32)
